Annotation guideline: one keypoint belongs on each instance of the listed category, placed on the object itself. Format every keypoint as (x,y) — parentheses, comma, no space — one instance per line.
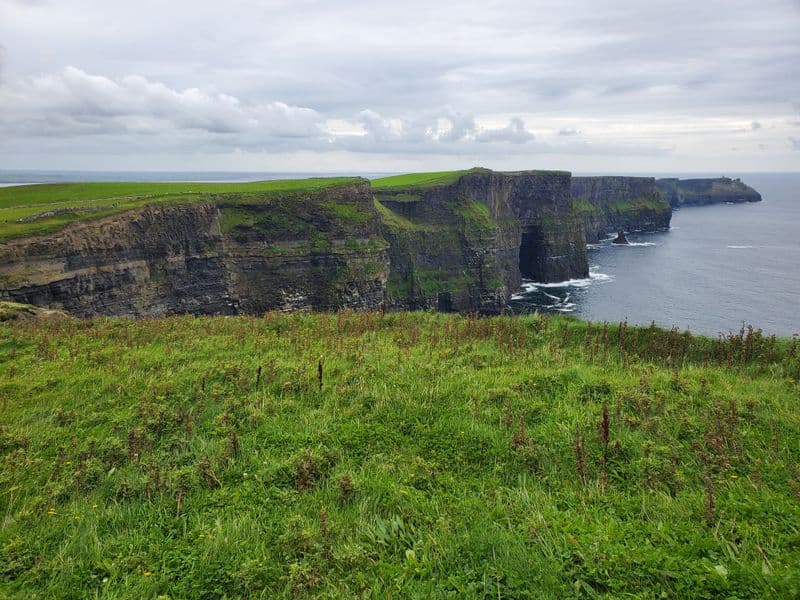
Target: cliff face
(698,192)
(446,251)
(462,243)
(232,253)
(465,245)
(608,204)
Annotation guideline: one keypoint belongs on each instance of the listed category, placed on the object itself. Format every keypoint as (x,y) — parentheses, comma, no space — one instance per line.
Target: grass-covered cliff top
(26,195)
(36,209)
(395,455)
(417,180)
(422,181)
(411,186)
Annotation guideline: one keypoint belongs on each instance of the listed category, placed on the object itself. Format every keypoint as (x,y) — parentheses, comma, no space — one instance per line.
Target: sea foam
(532,286)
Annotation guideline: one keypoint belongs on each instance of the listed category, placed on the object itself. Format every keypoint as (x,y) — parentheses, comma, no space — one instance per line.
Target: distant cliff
(608,204)
(697,192)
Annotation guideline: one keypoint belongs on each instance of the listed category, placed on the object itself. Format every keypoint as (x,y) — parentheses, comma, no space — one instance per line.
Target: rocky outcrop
(620,239)
(227,254)
(606,205)
(698,192)
(14,311)
(466,245)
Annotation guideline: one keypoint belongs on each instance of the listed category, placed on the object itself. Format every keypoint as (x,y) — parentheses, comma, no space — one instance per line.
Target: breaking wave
(559,303)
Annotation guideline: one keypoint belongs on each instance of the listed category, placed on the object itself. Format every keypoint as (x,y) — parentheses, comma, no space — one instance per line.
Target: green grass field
(399,455)
(417,180)
(71,202)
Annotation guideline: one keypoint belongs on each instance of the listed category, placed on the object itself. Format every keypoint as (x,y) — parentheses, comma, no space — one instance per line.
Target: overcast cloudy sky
(335,85)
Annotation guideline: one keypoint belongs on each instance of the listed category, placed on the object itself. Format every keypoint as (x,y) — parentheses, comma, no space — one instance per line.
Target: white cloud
(74,102)
(447,132)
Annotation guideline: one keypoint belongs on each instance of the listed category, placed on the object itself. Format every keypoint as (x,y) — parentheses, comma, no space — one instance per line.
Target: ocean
(717,268)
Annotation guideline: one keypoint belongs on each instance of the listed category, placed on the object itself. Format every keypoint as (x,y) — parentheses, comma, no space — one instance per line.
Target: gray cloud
(76,104)
(794,143)
(460,127)
(665,80)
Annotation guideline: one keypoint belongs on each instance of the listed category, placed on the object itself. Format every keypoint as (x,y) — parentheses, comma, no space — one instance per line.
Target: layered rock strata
(227,254)
(609,204)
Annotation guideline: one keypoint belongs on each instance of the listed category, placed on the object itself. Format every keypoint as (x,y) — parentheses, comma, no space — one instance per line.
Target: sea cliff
(608,204)
(224,254)
(456,241)
(465,244)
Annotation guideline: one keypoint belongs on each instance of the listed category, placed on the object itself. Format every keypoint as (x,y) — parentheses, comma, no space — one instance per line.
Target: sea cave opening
(530,254)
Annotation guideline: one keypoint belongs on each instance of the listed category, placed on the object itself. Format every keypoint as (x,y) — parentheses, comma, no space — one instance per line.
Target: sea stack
(621,239)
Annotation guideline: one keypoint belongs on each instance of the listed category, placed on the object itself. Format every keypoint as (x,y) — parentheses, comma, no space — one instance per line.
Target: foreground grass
(398,455)
(43,208)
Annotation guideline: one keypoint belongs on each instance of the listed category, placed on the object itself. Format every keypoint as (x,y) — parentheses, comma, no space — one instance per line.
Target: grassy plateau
(417,180)
(398,455)
(43,208)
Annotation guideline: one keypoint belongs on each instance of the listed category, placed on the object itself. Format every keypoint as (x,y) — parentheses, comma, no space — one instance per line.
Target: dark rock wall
(553,241)
(461,245)
(607,204)
(155,260)
(446,252)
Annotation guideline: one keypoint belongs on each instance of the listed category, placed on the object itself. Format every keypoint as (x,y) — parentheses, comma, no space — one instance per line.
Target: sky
(355,86)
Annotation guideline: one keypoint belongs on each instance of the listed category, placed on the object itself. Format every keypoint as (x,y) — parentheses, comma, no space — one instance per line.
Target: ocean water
(717,267)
